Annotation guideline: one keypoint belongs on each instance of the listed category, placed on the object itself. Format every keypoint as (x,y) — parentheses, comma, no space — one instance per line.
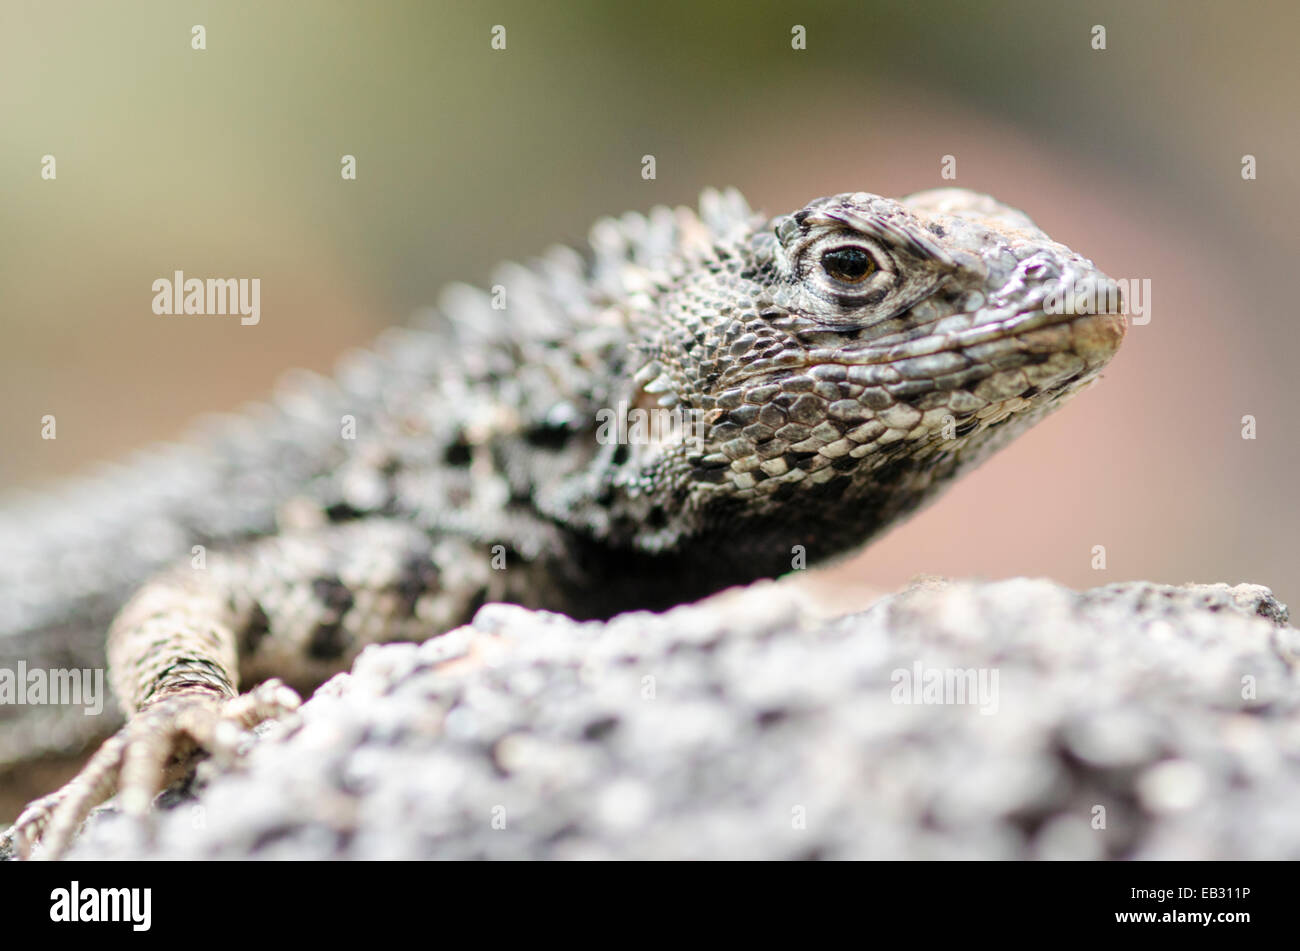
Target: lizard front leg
(298,606)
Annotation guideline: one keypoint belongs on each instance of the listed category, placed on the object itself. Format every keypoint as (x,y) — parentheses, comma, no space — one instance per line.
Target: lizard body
(837,367)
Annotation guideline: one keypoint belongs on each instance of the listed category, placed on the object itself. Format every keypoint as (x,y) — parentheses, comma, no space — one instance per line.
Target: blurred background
(226,162)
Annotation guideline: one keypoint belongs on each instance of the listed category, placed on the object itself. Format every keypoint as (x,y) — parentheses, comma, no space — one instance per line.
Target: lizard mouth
(1094,337)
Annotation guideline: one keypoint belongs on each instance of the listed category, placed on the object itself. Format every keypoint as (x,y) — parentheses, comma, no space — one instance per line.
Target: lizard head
(840,364)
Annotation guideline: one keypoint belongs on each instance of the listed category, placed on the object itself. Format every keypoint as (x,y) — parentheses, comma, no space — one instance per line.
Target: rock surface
(1130,721)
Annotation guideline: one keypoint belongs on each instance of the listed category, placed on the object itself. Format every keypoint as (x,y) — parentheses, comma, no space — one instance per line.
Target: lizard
(837,367)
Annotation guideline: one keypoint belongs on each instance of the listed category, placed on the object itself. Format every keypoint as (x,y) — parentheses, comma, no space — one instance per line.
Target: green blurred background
(226,162)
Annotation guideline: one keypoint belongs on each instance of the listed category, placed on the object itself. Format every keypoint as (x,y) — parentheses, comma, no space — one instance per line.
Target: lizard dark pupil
(850,265)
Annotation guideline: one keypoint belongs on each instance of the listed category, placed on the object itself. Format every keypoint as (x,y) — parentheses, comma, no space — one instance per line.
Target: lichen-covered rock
(1015,719)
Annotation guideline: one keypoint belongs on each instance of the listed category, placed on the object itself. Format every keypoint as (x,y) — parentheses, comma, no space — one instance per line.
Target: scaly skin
(836,368)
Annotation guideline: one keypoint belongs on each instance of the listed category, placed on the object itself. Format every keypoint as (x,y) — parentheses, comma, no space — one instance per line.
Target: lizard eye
(848,264)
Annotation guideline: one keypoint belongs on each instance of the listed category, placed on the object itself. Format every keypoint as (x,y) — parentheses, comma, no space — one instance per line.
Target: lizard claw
(156,747)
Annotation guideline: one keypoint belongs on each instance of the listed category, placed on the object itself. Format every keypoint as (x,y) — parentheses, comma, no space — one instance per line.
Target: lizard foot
(156,747)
